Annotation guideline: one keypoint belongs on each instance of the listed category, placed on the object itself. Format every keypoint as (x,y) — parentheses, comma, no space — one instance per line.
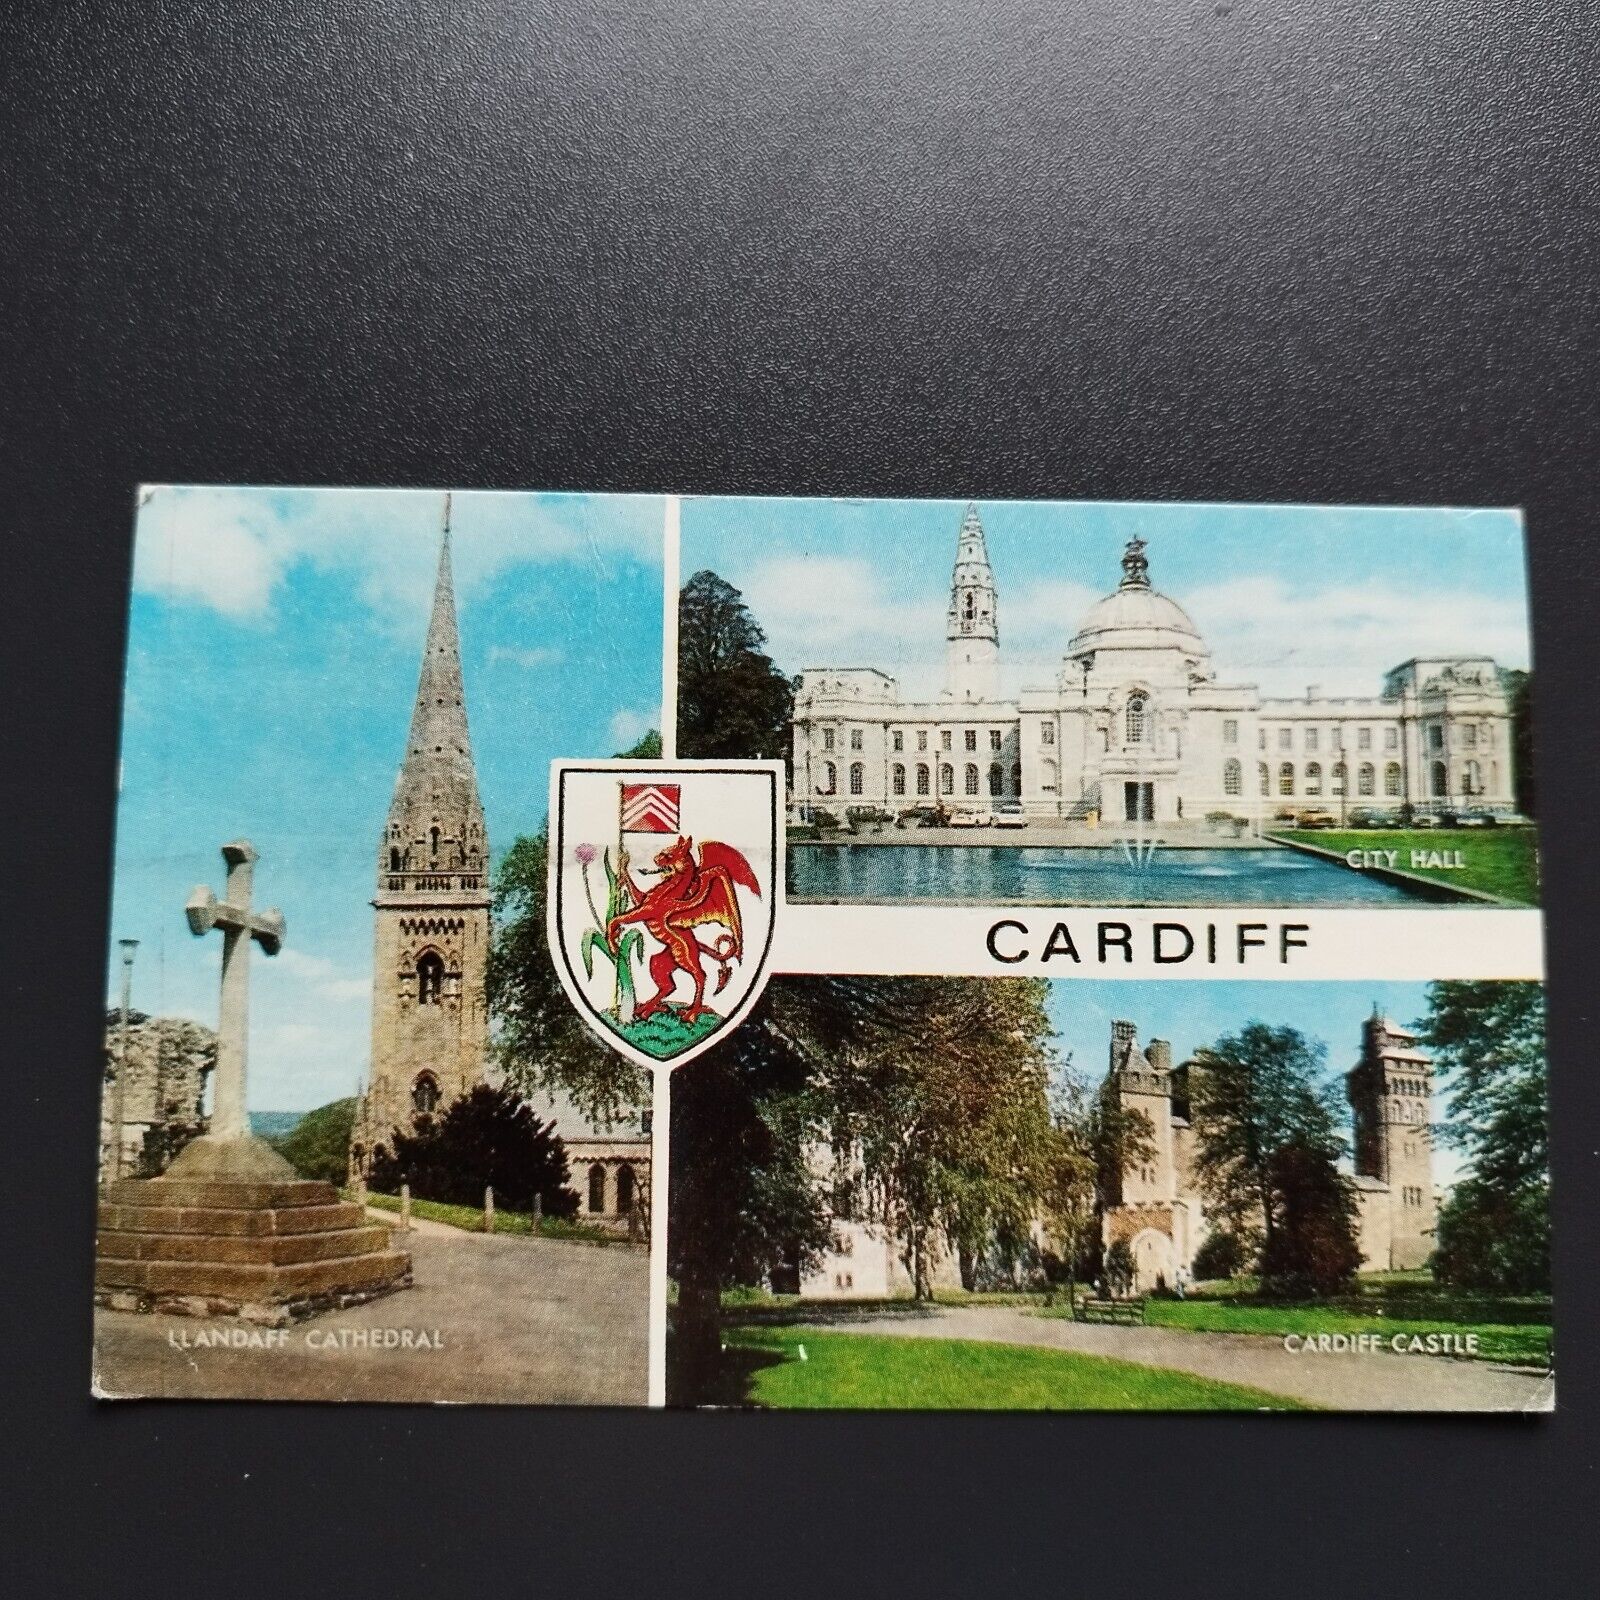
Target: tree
(1488,1044)
(1251,1095)
(936,1090)
(489,1138)
(318,1146)
(541,1043)
(745,1201)
(733,702)
(1311,1248)
(1097,1139)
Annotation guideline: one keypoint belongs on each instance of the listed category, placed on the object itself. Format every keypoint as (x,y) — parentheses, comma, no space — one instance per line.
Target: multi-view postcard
(764,953)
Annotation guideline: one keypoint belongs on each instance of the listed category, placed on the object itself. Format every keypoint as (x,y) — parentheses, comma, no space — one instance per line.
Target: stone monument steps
(218,1221)
(240,1286)
(219,1192)
(247,1249)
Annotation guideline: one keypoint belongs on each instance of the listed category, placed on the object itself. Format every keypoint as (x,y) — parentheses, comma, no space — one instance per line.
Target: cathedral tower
(972,626)
(1390,1093)
(430,1023)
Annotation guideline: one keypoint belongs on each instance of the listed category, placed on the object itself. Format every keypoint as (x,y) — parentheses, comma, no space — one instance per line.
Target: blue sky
(274,644)
(1285,596)
(1191,1014)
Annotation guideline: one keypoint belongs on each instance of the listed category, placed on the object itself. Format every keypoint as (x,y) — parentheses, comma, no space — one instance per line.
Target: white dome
(1136,617)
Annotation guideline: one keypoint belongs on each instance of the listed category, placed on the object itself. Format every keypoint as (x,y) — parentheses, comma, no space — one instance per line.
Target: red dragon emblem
(694,890)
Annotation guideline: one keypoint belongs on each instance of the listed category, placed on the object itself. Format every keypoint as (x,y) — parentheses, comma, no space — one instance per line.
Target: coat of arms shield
(665,884)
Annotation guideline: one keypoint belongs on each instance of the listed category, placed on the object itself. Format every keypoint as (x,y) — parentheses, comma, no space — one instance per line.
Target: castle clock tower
(972,625)
(430,1023)
(1390,1092)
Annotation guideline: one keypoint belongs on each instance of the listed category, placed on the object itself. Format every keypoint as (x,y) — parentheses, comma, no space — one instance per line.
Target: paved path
(536,1321)
(1374,1382)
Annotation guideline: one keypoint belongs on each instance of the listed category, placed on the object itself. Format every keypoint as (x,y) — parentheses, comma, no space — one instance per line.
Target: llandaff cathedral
(1139,726)
(430,955)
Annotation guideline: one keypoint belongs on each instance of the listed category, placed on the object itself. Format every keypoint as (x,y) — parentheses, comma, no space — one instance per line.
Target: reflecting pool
(1052,876)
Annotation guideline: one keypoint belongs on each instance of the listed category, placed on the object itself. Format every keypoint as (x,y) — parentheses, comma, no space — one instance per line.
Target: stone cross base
(247,1160)
(270,1253)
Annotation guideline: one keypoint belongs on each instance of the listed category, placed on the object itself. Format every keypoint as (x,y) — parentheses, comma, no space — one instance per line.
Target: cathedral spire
(436,793)
(972,622)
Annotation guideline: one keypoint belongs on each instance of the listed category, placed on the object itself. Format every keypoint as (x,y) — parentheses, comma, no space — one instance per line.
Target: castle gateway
(1139,726)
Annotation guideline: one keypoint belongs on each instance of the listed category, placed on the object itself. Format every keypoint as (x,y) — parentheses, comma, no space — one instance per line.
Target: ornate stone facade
(430,1021)
(1157,1210)
(1139,725)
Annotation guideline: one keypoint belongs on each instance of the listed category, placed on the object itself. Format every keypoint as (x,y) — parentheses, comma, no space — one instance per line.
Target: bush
(487,1138)
(1221,1255)
(318,1146)
(1118,1268)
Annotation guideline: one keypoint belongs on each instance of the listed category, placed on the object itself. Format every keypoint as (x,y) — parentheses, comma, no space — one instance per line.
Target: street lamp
(119,1097)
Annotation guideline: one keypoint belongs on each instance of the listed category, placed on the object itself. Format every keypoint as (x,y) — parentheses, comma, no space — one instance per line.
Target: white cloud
(538,656)
(231,548)
(627,727)
(1344,639)
(322,977)
(843,611)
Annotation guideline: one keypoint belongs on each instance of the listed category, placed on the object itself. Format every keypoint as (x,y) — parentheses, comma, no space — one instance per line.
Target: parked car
(1011,816)
(971,819)
(922,817)
(1479,819)
(1315,817)
(1367,817)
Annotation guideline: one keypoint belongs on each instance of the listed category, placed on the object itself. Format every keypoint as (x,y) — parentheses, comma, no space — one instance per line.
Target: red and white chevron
(650,807)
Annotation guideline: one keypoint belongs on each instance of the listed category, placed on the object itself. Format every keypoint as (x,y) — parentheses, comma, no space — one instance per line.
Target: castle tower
(972,623)
(430,1023)
(1390,1092)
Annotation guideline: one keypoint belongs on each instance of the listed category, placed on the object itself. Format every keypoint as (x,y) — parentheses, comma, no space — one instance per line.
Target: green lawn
(1525,1343)
(1500,861)
(861,1371)
(1512,1328)
(470,1220)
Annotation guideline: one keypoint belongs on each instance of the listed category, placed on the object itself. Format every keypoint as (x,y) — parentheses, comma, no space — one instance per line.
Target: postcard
(639,950)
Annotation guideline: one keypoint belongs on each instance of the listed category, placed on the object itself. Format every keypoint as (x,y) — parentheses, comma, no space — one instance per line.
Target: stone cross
(239,924)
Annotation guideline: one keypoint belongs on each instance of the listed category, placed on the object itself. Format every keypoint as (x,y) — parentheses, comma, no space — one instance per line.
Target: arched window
(1391,780)
(394,858)
(971,777)
(624,1189)
(970,608)
(1232,778)
(1264,774)
(1441,784)
(1134,719)
(1016,777)
(1047,775)
(597,1187)
(1474,778)
(897,780)
(830,779)
(430,978)
(1286,778)
(995,784)
(947,780)
(922,777)
(425,1094)
(433,835)
(1341,777)
(855,777)
(1313,778)
(1365,778)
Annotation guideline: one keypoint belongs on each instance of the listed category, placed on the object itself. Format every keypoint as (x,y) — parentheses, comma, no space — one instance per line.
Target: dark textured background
(1325,250)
